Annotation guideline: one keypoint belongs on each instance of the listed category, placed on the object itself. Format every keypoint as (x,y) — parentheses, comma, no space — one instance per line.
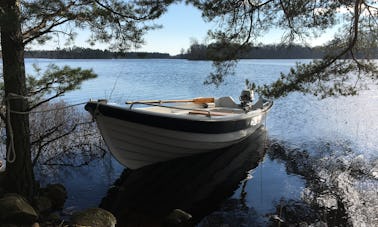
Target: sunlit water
(337,136)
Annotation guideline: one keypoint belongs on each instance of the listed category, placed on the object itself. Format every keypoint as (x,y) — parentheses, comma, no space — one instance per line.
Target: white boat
(198,184)
(145,132)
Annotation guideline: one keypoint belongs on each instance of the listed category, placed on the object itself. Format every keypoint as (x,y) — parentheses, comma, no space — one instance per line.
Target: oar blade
(203,100)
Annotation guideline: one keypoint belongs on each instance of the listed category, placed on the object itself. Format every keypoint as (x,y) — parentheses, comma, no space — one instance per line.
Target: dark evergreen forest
(87,53)
(195,52)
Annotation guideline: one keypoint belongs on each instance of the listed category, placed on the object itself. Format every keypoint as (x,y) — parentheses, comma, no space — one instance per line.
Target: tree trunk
(20,176)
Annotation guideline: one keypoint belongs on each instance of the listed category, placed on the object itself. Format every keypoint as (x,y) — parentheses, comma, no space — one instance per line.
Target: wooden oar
(209,113)
(195,100)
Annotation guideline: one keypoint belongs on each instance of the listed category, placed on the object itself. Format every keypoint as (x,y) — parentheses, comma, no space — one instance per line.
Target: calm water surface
(322,156)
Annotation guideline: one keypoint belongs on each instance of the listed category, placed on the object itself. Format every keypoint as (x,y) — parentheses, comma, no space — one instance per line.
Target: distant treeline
(87,53)
(215,51)
(205,52)
(195,52)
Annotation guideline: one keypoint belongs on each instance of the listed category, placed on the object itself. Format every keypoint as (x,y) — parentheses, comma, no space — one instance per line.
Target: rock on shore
(15,209)
(94,217)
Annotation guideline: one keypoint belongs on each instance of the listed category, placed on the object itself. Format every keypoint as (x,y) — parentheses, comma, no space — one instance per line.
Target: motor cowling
(246,99)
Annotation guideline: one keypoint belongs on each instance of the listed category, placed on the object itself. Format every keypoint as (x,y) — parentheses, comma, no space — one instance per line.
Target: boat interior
(224,106)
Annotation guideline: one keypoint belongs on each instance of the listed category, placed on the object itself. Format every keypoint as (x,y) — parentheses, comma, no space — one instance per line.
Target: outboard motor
(246,99)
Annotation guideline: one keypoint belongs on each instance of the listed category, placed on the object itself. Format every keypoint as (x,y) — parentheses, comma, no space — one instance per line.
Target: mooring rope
(11,152)
(48,110)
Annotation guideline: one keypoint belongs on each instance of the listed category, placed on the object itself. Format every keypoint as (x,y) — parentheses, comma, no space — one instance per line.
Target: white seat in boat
(227,101)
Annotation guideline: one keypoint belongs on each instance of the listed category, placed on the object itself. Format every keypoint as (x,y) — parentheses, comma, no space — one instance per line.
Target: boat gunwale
(216,125)
(211,118)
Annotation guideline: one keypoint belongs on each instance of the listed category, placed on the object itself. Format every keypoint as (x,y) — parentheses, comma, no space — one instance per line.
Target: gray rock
(94,217)
(319,224)
(178,217)
(15,209)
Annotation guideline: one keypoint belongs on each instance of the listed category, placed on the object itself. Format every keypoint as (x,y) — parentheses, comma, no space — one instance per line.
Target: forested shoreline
(87,53)
(218,51)
(195,52)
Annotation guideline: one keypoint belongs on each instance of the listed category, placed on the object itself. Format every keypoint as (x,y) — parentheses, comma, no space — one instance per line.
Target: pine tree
(122,23)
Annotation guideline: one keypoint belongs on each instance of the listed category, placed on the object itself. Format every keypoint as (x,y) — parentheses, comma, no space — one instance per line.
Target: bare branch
(48,133)
(2,116)
(84,163)
(64,134)
(43,144)
(47,100)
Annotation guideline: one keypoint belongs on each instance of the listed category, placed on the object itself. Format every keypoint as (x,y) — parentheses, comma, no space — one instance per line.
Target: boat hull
(136,143)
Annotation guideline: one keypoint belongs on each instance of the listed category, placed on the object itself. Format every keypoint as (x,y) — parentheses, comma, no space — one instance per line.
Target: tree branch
(30,37)
(65,134)
(46,100)
(289,20)
(307,74)
(51,131)
(2,116)
(47,162)
(255,7)
(47,134)
(108,8)
(39,152)
(36,32)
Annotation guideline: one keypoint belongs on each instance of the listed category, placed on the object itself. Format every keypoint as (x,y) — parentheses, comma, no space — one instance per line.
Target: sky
(181,24)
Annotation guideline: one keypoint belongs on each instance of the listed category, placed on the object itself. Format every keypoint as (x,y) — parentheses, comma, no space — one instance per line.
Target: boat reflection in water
(195,184)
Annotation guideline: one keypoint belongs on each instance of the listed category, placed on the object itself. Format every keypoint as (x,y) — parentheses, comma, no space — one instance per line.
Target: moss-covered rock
(16,210)
(94,217)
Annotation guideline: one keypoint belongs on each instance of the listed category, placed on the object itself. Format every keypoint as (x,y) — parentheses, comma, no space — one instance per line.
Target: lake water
(321,161)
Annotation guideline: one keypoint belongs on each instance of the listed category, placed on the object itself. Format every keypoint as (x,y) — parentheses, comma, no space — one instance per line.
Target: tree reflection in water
(221,188)
(332,175)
